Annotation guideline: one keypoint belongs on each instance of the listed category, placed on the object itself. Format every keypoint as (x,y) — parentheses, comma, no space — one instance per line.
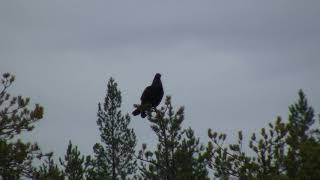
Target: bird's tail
(143,114)
(136,112)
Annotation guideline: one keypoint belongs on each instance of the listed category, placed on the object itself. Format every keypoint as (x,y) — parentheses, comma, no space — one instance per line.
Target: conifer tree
(16,157)
(301,144)
(49,170)
(74,163)
(114,156)
(178,155)
(284,150)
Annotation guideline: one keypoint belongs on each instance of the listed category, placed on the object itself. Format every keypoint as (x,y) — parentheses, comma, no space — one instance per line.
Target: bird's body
(151,97)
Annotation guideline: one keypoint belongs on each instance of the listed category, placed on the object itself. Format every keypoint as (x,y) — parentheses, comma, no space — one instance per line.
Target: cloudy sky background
(234,65)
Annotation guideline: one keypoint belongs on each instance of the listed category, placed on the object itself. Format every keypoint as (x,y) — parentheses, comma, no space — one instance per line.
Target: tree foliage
(74,164)
(179,154)
(284,150)
(14,113)
(114,156)
(49,170)
(16,157)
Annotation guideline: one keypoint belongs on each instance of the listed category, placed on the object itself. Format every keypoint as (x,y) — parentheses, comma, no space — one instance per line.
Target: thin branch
(145,160)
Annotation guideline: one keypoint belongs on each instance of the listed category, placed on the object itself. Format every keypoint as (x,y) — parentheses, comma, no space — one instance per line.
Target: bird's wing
(146,95)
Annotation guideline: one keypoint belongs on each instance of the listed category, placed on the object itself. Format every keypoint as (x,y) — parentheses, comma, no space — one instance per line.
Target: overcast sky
(234,65)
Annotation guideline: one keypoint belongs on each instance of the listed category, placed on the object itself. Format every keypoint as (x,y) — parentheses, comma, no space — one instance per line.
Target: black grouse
(151,97)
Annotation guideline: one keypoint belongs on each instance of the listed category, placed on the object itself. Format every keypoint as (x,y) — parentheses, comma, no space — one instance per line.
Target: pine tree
(301,119)
(114,156)
(179,155)
(190,158)
(284,150)
(16,157)
(74,163)
(49,170)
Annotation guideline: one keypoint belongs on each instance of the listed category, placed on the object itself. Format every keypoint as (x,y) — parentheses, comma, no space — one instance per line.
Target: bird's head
(157,76)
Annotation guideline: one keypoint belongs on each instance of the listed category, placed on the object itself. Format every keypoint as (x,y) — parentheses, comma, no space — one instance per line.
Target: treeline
(285,149)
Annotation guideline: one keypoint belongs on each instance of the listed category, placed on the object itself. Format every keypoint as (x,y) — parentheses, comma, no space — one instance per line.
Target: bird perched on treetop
(151,97)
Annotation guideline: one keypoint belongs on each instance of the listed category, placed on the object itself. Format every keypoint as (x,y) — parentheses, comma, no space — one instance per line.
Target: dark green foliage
(281,151)
(114,156)
(16,157)
(179,155)
(49,170)
(232,160)
(190,158)
(301,117)
(74,163)
(14,113)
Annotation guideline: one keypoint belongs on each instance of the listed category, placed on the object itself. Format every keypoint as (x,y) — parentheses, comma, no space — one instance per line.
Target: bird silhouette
(151,97)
